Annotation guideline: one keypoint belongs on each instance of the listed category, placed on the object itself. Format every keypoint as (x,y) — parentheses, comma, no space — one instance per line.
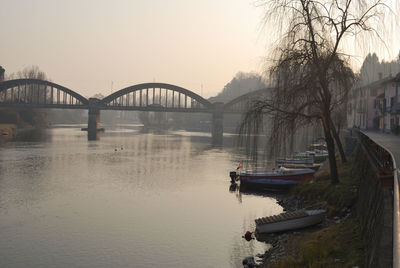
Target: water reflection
(161,201)
(233,187)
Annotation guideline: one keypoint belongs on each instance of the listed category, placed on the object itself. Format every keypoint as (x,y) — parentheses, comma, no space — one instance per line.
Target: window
(373,92)
(384,106)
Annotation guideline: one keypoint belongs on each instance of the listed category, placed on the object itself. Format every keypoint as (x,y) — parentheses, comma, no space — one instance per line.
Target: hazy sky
(93,45)
(87,45)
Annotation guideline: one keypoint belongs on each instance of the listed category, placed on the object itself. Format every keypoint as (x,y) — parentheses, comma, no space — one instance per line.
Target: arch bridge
(157,97)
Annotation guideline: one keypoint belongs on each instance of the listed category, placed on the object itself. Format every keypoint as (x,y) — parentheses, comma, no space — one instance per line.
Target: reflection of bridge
(157,97)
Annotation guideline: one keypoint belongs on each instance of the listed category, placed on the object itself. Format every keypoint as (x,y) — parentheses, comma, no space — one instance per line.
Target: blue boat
(272,184)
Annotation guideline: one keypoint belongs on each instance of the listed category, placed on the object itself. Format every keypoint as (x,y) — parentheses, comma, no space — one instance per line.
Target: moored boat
(297,161)
(269,184)
(280,174)
(317,155)
(318,145)
(279,179)
(313,166)
(289,221)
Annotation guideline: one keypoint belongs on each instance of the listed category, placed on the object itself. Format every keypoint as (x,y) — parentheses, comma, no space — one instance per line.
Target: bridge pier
(93,119)
(217,128)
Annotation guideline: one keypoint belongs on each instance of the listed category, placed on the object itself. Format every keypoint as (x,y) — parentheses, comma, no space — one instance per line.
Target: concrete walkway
(388,141)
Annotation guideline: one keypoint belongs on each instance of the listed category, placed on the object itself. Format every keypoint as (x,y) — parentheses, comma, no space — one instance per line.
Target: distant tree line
(240,84)
(372,69)
(24,117)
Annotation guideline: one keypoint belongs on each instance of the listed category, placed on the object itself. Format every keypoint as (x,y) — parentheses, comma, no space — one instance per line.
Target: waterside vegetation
(339,242)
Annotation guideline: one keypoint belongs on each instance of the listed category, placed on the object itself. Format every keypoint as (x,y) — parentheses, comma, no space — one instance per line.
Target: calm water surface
(160,201)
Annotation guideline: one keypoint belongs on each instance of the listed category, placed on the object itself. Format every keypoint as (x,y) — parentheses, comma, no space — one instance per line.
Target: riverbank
(337,241)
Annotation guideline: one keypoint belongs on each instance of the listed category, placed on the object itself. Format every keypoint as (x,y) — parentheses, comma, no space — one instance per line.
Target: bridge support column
(217,128)
(93,119)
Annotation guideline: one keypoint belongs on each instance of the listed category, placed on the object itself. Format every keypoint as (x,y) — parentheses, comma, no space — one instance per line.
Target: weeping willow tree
(311,71)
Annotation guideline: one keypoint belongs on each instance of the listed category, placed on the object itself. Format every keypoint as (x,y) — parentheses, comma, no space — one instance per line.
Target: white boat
(298,161)
(321,145)
(289,221)
(317,155)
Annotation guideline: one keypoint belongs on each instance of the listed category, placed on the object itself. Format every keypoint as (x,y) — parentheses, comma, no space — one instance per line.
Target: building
(376,105)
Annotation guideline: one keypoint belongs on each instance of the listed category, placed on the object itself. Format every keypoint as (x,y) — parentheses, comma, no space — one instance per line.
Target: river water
(127,200)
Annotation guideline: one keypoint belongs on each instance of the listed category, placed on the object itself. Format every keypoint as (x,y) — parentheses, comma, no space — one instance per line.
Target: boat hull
(320,158)
(314,167)
(272,184)
(299,161)
(252,178)
(290,224)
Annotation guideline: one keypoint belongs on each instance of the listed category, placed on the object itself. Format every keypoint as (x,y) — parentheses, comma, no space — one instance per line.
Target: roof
(381,82)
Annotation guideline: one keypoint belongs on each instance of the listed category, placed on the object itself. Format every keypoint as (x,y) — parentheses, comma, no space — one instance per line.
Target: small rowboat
(279,175)
(314,167)
(289,221)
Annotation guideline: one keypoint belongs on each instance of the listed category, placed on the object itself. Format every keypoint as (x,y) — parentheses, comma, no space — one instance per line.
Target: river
(127,200)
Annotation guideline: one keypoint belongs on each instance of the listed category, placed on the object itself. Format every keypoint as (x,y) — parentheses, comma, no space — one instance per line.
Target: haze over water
(158,201)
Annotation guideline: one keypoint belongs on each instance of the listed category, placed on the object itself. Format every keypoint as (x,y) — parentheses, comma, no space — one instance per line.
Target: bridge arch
(240,104)
(39,93)
(157,97)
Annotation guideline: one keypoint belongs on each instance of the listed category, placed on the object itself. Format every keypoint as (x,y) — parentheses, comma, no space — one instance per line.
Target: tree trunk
(331,151)
(338,141)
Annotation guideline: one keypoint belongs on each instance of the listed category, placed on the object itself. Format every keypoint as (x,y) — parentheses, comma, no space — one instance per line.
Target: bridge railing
(385,161)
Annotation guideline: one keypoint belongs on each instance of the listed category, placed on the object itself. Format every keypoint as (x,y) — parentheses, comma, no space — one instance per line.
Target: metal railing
(381,157)
(385,161)
(396,219)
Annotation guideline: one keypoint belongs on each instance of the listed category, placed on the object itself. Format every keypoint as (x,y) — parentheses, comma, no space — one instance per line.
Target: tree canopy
(240,84)
(311,71)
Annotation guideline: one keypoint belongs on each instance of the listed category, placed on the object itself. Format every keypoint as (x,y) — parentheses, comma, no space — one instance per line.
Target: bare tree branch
(312,76)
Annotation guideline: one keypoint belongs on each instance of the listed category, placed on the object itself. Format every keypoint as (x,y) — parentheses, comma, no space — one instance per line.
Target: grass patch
(337,197)
(338,245)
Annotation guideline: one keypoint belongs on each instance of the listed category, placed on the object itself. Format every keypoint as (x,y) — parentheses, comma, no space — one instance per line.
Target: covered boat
(289,221)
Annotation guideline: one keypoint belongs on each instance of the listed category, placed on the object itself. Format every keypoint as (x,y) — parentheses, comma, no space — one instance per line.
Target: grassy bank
(339,243)
(337,197)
